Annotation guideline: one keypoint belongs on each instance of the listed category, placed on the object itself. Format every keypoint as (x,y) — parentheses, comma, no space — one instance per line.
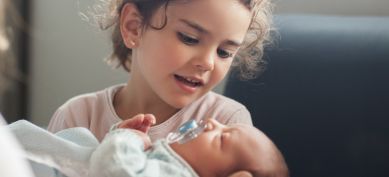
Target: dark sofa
(324,96)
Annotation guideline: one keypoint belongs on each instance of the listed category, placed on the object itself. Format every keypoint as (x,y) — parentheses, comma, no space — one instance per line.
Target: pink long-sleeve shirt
(96,112)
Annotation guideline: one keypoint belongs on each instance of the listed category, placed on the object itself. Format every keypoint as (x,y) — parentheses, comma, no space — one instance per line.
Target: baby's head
(248,59)
(222,150)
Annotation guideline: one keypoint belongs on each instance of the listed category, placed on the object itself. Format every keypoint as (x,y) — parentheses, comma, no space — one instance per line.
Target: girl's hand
(140,122)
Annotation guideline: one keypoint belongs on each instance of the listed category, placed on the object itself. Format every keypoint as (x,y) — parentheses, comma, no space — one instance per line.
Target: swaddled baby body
(218,151)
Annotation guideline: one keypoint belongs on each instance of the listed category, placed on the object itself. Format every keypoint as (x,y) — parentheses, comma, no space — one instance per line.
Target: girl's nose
(205,62)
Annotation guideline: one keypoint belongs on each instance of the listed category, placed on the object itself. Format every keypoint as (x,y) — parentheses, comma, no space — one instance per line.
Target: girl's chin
(179,103)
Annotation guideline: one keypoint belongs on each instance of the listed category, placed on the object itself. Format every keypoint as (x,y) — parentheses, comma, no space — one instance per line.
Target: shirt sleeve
(241,116)
(120,154)
(71,114)
(57,121)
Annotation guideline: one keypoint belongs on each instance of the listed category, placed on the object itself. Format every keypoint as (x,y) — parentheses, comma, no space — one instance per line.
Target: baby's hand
(140,122)
(145,138)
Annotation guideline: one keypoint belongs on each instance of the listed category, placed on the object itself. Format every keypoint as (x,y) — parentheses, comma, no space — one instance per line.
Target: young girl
(176,51)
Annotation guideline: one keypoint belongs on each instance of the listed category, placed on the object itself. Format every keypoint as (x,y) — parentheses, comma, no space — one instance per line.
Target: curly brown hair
(248,59)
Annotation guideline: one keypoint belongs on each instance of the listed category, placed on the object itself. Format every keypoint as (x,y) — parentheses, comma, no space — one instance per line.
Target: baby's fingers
(133,123)
(149,120)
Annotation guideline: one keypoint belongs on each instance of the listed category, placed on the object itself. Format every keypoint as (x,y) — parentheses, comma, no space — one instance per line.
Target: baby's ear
(241,174)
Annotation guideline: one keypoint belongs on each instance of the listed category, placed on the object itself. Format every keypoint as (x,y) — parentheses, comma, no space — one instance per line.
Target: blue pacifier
(186,132)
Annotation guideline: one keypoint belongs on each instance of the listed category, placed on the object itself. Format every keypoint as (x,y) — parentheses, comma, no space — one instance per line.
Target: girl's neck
(132,100)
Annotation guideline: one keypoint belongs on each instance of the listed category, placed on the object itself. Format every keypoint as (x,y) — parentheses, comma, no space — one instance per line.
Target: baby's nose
(213,124)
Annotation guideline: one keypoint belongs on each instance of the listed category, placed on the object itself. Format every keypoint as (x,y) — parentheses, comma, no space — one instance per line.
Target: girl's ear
(130,25)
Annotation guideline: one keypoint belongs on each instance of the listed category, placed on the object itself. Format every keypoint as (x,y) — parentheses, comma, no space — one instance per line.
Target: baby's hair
(269,162)
(248,59)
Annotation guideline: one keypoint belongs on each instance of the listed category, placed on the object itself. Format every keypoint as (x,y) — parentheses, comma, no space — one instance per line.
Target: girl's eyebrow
(195,26)
(201,29)
(233,43)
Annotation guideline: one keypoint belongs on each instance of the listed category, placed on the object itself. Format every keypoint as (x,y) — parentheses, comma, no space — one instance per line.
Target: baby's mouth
(192,82)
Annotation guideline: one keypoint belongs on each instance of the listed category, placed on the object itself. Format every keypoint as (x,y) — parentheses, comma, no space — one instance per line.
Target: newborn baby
(126,151)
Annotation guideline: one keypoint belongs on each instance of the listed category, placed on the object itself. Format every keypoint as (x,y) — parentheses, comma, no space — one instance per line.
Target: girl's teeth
(191,80)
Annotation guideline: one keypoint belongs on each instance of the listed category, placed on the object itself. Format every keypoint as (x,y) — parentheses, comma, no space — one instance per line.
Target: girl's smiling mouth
(189,84)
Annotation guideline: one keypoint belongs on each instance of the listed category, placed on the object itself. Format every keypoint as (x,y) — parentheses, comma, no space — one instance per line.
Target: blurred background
(61,54)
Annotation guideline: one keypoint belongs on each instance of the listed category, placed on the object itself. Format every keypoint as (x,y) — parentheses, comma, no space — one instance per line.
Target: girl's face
(192,53)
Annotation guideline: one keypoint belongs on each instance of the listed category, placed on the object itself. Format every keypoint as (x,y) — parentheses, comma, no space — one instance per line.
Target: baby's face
(219,148)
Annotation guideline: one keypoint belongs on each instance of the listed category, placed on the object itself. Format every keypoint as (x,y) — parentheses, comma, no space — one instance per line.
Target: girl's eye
(223,54)
(187,39)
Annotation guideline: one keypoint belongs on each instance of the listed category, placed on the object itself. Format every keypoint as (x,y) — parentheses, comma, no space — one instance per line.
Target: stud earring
(132,43)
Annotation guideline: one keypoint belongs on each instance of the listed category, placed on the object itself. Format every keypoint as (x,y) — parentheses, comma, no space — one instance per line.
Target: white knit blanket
(68,150)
